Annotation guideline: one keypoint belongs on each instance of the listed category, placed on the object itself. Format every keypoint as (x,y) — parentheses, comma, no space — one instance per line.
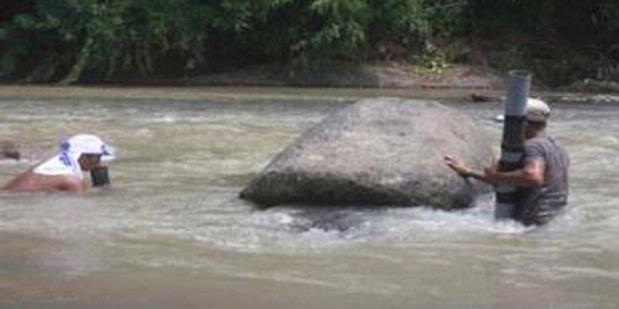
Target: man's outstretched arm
(530,175)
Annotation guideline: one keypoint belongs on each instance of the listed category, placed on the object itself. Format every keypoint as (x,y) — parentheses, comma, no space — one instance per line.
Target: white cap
(87,144)
(537,110)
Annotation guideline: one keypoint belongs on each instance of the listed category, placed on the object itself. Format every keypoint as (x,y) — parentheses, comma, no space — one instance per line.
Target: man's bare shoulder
(70,183)
(32,182)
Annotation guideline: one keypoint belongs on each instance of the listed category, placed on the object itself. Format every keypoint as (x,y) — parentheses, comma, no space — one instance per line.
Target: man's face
(532,129)
(89,161)
(528,131)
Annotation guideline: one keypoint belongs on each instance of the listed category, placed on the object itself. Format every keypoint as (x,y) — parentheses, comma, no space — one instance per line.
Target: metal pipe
(512,146)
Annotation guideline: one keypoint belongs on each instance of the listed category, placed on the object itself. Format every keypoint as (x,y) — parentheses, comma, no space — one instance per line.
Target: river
(172,233)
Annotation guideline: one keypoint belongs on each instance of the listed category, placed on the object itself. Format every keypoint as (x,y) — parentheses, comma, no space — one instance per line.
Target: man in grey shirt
(542,181)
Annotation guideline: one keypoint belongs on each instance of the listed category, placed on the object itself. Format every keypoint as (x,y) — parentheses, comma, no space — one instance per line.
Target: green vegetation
(66,41)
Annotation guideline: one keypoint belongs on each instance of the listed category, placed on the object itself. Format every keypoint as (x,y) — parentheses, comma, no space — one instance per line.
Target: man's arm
(70,184)
(530,175)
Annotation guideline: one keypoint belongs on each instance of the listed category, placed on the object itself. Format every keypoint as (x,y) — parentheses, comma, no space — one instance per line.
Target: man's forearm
(517,178)
(479,176)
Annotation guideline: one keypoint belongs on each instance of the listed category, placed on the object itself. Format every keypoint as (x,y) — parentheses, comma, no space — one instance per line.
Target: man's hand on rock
(457,166)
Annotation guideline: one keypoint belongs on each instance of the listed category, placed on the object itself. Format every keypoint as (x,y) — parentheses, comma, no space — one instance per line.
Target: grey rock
(377,152)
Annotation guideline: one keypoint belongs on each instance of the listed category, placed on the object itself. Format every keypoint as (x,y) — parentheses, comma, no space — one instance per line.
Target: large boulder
(381,151)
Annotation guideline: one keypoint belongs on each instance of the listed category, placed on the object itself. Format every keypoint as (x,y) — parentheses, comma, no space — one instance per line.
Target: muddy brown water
(171,232)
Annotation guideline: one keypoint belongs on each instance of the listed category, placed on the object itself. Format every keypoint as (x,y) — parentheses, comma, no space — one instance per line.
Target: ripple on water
(175,202)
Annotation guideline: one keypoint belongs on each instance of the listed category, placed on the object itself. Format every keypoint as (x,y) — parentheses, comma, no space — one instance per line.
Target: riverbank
(385,74)
(236,93)
(203,93)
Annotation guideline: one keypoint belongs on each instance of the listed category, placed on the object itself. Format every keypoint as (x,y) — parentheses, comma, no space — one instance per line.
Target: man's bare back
(63,172)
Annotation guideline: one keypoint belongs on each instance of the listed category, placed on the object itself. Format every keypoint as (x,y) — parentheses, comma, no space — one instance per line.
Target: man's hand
(490,175)
(457,166)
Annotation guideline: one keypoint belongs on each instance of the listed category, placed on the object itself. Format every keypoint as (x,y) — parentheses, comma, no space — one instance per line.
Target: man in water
(542,182)
(63,172)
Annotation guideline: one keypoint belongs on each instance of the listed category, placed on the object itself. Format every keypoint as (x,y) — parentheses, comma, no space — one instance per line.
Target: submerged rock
(377,152)
(9,150)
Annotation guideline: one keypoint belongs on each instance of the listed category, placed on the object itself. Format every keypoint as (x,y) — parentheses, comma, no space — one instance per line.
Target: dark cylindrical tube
(512,146)
(100,176)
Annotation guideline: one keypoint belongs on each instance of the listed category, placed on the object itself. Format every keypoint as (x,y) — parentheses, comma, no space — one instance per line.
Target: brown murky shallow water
(171,232)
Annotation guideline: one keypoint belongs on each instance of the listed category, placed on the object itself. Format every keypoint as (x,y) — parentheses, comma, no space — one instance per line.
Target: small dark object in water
(475,97)
(100,176)
(10,154)
(9,150)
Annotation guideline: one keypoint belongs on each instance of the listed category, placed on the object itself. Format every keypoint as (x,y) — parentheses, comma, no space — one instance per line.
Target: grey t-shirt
(540,204)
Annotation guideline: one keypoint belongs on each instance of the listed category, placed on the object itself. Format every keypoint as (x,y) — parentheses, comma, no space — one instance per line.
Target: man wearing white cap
(542,181)
(63,172)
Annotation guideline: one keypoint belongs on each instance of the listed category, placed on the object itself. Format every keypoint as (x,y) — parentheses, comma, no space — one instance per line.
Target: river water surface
(172,233)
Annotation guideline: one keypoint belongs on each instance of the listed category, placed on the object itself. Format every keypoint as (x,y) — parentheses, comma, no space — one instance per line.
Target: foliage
(71,40)
(431,58)
(75,35)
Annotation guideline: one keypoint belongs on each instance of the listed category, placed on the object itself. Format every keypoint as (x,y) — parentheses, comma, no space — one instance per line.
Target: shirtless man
(63,172)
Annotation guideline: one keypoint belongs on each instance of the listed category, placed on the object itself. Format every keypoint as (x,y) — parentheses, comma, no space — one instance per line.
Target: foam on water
(174,204)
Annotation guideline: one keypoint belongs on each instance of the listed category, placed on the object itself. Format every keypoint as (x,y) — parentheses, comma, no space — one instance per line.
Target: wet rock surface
(377,152)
